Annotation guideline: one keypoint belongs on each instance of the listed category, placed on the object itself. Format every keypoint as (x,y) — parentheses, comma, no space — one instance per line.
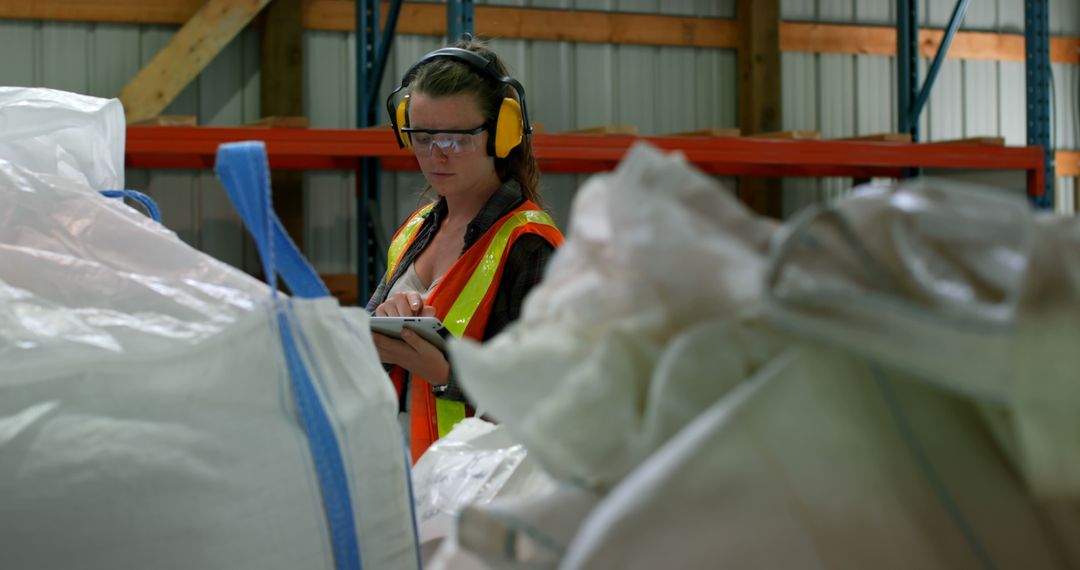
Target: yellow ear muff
(509,127)
(403,121)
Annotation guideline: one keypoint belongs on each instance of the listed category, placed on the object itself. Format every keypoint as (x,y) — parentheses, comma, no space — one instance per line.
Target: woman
(470,257)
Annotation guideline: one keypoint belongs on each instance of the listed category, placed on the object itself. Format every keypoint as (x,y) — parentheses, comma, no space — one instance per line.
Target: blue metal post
(1037,65)
(367,181)
(388,33)
(459,19)
(907,64)
(931,75)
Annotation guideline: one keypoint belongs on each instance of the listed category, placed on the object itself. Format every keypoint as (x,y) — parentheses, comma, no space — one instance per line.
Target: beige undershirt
(410,281)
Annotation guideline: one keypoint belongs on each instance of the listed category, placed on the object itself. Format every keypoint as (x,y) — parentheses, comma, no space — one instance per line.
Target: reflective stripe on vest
(447,412)
(461,312)
(403,238)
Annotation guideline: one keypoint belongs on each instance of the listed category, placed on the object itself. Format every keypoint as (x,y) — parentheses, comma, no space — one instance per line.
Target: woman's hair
(443,77)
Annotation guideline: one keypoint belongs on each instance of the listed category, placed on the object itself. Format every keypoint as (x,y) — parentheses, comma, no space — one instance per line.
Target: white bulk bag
(148,415)
(890,386)
(56,132)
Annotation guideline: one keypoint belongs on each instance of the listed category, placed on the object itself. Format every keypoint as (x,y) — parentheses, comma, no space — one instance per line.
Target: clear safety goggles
(451,142)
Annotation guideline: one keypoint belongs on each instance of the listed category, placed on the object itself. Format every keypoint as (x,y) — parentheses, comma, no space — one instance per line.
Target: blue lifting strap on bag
(146,201)
(244,171)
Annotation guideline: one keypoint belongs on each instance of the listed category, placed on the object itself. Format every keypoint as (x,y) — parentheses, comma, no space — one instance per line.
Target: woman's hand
(404,304)
(414,354)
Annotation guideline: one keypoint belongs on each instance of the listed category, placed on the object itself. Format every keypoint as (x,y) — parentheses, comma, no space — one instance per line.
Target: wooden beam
(1067,163)
(418,18)
(429,19)
(1065,50)
(185,56)
(282,102)
(605,27)
(881,40)
(540,24)
(282,60)
(105,11)
(759,92)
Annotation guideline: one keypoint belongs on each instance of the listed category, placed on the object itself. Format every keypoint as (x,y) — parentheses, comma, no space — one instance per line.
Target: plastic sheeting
(474,464)
(887,383)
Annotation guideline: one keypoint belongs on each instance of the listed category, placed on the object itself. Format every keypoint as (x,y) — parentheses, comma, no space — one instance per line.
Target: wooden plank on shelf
(992,141)
(604,130)
(344,286)
(278,122)
(789,135)
(192,48)
(1067,163)
(711,132)
(881,137)
(169,121)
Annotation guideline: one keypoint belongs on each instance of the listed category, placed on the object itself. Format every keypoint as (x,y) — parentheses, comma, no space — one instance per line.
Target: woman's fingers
(415,302)
(404,304)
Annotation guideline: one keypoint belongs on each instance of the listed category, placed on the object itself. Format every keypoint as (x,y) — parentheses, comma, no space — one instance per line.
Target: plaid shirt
(525,263)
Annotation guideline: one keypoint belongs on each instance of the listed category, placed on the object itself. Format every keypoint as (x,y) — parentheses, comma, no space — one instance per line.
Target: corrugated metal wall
(659,89)
(846,95)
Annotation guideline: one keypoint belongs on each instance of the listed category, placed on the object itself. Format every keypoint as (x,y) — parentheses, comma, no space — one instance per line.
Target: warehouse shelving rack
(330,149)
(368,150)
(912,99)
(349,149)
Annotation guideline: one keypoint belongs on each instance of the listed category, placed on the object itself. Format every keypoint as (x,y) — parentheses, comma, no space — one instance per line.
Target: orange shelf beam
(331,149)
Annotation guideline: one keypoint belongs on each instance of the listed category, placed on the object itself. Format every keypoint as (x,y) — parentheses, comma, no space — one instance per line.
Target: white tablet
(429,328)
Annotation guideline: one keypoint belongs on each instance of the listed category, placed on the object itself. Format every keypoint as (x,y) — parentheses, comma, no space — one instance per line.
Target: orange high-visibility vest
(463,301)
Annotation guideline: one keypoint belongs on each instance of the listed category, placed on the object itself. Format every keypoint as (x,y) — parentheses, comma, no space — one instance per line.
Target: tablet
(429,328)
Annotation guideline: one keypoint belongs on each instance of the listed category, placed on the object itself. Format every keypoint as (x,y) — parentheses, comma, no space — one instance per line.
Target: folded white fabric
(862,392)
(67,134)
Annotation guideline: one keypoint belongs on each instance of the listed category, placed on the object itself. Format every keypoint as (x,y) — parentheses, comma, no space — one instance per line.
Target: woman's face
(453,164)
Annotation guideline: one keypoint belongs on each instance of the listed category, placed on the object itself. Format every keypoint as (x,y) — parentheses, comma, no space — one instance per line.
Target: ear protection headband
(511,124)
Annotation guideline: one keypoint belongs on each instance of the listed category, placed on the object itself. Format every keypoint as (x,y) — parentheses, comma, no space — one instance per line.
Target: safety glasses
(451,142)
